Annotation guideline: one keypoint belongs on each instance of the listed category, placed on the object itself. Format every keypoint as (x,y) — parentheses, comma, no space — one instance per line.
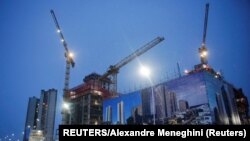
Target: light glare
(203,53)
(66,105)
(145,71)
(71,55)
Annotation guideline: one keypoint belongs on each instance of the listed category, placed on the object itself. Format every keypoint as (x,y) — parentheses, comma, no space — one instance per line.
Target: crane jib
(137,53)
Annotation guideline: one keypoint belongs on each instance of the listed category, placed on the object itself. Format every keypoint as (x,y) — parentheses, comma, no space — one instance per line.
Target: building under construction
(86,100)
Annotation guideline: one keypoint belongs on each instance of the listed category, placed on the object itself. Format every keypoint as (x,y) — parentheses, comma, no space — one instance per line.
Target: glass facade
(198,98)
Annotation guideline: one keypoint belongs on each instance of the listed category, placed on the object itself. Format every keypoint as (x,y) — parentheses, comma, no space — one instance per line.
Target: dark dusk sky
(101,33)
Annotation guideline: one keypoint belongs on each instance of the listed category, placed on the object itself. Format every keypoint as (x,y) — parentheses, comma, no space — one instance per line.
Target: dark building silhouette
(146,105)
(40,116)
(31,117)
(47,112)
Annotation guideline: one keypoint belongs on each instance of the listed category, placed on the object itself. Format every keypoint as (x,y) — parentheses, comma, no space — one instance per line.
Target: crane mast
(114,70)
(203,49)
(205,24)
(69,63)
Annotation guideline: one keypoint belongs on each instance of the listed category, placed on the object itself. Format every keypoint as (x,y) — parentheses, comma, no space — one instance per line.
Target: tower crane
(113,70)
(203,49)
(69,63)
(203,66)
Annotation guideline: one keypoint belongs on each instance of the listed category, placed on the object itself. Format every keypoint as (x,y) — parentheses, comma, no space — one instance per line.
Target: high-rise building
(146,101)
(36,135)
(109,114)
(160,104)
(171,103)
(183,105)
(46,113)
(31,117)
(120,112)
(40,116)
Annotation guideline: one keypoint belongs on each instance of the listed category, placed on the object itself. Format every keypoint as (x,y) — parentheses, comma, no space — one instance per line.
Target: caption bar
(69,132)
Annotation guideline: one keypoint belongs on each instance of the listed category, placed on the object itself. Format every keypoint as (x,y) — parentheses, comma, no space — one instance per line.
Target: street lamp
(145,71)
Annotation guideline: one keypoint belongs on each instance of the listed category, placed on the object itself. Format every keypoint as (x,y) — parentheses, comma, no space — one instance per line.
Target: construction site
(71,65)
(83,104)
